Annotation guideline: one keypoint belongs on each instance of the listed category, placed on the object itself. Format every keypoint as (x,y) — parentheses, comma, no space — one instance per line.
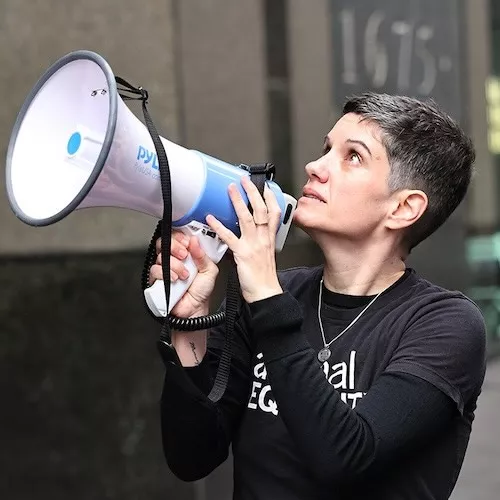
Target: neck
(354,269)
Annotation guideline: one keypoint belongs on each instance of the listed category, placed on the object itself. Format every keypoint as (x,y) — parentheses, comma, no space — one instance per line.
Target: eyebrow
(360,143)
(327,144)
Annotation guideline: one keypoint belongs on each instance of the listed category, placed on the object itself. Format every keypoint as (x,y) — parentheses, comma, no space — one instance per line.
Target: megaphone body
(76,145)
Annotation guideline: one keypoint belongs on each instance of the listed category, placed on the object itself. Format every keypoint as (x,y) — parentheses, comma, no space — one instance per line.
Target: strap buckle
(268,169)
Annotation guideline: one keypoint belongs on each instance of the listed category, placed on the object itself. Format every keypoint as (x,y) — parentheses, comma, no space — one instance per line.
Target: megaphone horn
(75,144)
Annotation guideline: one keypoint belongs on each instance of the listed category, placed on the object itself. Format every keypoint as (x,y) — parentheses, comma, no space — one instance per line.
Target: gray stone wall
(80,381)
(222,79)
(80,378)
(137,41)
(80,375)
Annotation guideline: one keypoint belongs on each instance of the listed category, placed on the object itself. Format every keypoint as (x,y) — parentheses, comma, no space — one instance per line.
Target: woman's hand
(195,302)
(254,251)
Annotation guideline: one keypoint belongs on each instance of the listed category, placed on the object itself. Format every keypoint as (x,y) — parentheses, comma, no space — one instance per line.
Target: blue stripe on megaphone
(215,200)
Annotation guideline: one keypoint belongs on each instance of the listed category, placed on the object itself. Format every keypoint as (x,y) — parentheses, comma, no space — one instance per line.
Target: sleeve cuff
(276,323)
(430,376)
(180,390)
(200,375)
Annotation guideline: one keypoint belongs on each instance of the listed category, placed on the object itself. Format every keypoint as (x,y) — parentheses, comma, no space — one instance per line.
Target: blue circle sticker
(74,143)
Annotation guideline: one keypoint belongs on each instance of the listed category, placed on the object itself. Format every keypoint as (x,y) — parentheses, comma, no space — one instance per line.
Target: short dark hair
(427,150)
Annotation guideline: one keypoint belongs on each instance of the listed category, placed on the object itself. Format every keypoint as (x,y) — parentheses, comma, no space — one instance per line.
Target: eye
(354,157)
(326,149)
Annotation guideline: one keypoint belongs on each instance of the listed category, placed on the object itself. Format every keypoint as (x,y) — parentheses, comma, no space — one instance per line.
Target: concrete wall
(80,376)
(78,368)
(222,80)
(482,213)
(137,41)
(316,107)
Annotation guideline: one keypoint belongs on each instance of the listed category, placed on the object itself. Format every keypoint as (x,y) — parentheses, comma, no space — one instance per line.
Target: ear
(406,208)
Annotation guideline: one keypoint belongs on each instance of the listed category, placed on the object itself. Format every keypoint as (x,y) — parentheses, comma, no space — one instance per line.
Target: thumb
(200,258)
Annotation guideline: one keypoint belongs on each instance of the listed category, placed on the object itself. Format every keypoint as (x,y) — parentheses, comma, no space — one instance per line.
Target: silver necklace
(325,352)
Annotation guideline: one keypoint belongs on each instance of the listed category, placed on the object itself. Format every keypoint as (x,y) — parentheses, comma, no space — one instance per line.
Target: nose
(317,170)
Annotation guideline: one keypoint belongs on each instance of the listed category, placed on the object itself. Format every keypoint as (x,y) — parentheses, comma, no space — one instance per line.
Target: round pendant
(324,354)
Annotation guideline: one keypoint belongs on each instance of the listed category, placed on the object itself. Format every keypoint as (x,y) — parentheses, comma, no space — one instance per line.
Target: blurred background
(246,82)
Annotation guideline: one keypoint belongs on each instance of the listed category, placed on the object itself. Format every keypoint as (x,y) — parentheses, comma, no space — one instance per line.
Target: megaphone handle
(215,249)
(155,294)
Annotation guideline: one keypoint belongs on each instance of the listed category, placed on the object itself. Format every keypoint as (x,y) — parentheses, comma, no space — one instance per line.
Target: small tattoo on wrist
(193,348)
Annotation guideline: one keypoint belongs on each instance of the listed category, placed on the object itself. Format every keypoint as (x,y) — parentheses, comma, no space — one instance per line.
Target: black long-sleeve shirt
(394,402)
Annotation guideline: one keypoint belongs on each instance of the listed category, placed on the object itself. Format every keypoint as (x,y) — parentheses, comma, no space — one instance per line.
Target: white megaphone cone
(75,144)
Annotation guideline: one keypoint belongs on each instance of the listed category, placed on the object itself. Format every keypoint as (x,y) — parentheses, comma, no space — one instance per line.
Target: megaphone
(75,144)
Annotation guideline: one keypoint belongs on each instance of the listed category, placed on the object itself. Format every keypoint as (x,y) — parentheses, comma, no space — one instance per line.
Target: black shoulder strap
(259,173)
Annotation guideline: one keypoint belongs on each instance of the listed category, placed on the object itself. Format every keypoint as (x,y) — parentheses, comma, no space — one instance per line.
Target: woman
(356,379)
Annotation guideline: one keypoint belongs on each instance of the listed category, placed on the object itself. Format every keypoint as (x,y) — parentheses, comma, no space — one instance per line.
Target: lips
(310,193)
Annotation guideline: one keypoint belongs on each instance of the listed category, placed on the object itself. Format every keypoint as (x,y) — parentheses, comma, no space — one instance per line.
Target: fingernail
(183,253)
(185,274)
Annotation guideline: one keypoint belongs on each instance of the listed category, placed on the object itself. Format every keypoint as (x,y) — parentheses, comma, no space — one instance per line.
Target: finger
(200,258)
(178,238)
(179,268)
(245,218)
(273,210)
(176,265)
(256,201)
(178,249)
(182,238)
(155,273)
(225,234)
(182,256)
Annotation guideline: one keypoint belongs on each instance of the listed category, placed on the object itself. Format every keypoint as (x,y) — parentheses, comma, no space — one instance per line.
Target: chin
(304,220)
(315,225)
